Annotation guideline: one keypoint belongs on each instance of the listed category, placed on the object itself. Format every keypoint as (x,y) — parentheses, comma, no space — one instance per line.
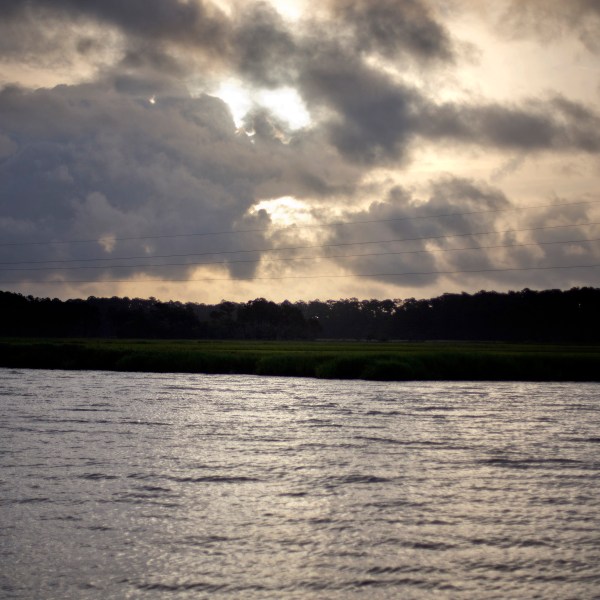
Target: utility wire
(305,247)
(297,227)
(328,276)
(300,258)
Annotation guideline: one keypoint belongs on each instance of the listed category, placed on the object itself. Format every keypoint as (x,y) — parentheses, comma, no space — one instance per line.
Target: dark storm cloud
(182,22)
(368,117)
(492,210)
(262,46)
(402,216)
(172,36)
(374,119)
(100,160)
(38,35)
(463,208)
(371,116)
(394,27)
(89,162)
(144,39)
(255,35)
(556,124)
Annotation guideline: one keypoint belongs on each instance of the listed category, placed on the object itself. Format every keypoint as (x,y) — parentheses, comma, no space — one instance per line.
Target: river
(124,485)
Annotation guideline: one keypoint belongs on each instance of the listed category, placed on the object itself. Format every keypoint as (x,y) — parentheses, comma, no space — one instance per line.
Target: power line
(305,247)
(300,258)
(296,227)
(327,276)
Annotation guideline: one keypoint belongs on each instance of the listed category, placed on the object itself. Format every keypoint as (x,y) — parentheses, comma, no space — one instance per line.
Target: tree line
(527,315)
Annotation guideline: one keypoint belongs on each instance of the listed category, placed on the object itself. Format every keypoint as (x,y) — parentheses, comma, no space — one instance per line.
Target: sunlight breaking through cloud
(204,128)
(285,103)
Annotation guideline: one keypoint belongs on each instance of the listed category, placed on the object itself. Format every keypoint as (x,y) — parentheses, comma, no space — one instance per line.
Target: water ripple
(191,486)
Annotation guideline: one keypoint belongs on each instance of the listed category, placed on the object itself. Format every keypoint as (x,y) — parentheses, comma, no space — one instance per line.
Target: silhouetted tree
(527,315)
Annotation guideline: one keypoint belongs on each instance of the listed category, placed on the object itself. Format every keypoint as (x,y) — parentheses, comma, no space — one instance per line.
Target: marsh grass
(330,360)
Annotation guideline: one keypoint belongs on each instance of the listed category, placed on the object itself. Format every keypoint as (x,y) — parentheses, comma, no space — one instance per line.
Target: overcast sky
(195,150)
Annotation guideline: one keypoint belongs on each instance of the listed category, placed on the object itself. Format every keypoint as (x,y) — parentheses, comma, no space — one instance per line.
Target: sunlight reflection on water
(121,485)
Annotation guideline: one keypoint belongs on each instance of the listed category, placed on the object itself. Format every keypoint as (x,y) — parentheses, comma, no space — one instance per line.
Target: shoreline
(390,361)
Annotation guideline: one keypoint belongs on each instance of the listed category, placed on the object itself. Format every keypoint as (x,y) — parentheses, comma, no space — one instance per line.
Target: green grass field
(330,360)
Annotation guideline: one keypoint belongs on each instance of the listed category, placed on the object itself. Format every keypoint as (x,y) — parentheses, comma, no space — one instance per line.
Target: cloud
(549,19)
(252,38)
(38,38)
(91,162)
(556,124)
(197,23)
(131,153)
(402,216)
(262,47)
(394,29)
(440,234)
(122,159)
(165,37)
(375,120)
(368,116)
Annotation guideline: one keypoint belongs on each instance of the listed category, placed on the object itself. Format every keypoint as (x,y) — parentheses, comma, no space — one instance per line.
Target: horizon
(305,300)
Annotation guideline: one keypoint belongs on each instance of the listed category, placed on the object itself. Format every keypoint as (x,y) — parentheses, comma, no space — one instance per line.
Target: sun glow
(285,103)
(285,211)
(290,10)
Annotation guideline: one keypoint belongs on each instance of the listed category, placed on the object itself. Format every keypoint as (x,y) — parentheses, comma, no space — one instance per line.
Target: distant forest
(537,316)
(540,316)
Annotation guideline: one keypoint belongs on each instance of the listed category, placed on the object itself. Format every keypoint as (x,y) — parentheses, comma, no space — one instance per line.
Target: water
(118,485)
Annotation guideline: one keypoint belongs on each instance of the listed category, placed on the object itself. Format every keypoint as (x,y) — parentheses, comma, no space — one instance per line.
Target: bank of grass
(390,361)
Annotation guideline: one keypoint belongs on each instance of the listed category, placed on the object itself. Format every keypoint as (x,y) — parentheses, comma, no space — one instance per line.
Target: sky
(197,151)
